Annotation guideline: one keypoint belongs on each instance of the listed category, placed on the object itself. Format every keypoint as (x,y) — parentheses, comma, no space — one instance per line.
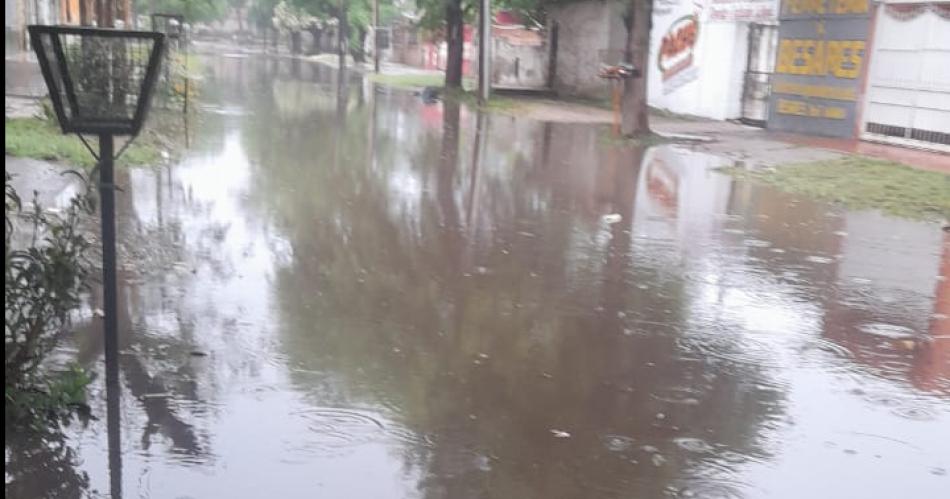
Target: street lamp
(101,82)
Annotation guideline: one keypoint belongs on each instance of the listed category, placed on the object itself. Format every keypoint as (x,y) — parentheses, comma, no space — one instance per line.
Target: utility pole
(342,29)
(484,52)
(376,36)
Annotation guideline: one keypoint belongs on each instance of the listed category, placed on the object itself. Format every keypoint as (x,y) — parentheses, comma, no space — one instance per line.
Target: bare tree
(634,108)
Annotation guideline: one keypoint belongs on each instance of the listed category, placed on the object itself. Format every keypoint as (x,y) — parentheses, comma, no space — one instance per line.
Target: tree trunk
(342,31)
(98,13)
(455,41)
(295,41)
(357,50)
(316,46)
(124,12)
(108,14)
(85,13)
(634,102)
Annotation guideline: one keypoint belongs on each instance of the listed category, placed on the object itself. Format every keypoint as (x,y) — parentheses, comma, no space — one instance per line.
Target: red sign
(676,49)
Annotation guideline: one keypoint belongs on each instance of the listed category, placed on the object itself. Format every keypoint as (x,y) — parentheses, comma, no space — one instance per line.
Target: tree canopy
(193,10)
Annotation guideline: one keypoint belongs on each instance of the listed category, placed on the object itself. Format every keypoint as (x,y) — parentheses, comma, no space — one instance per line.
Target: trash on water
(146,396)
(612,218)
(560,434)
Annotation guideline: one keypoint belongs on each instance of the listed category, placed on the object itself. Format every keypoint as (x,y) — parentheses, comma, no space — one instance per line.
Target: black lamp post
(101,82)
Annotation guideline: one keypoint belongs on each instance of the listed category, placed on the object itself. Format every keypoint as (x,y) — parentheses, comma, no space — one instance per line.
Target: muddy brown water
(342,292)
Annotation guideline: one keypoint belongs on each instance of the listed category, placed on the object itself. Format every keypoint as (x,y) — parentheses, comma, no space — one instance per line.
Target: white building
(699,62)
(907,96)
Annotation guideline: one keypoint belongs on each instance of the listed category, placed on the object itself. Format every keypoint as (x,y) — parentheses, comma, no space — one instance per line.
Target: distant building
(18,14)
(700,58)
(415,47)
(519,55)
(839,68)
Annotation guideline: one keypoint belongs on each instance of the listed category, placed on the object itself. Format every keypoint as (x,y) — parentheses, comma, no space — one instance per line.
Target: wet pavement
(343,292)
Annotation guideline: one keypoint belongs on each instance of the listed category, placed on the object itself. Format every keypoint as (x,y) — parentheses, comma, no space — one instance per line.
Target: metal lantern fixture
(101,82)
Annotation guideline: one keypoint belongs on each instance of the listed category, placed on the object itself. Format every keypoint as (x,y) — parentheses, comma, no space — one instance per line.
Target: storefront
(908,89)
(707,58)
(861,69)
(820,67)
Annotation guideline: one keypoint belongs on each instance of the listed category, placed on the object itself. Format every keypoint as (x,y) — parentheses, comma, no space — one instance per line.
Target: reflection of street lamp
(101,82)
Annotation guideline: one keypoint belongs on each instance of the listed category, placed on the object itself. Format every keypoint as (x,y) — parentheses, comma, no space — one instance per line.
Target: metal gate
(760,63)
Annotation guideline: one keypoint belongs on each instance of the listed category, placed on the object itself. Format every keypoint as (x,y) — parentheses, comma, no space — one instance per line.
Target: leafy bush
(46,271)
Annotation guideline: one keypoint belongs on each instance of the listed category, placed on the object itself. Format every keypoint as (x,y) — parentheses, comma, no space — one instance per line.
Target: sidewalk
(763,147)
(22,78)
(927,160)
(751,145)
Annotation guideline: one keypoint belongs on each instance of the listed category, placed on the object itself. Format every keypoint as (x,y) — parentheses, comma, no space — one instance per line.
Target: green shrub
(46,271)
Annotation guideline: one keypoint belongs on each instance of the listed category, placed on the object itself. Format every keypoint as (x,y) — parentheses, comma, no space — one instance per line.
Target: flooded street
(341,291)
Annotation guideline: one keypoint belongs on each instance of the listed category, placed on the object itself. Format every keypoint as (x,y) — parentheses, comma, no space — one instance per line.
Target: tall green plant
(46,271)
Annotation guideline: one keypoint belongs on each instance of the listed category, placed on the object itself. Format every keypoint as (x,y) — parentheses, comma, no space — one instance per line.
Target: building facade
(860,69)
(853,69)
(700,53)
(906,97)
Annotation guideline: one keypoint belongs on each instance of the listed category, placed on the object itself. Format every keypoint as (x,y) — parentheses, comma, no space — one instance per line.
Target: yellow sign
(799,108)
(803,57)
(840,7)
(819,91)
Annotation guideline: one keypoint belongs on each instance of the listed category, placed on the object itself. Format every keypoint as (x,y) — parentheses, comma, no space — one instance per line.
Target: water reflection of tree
(482,302)
(42,465)
(486,338)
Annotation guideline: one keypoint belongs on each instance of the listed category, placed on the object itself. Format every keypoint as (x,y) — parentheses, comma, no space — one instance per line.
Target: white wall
(521,66)
(588,28)
(909,83)
(719,67)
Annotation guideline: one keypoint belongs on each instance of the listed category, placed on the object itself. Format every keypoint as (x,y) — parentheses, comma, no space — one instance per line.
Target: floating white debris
(147,396)
(560,434)
(612,218)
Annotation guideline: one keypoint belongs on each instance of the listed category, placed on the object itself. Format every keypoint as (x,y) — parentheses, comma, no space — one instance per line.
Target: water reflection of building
(882,303)
(679,198)
(868,282)
(934,366)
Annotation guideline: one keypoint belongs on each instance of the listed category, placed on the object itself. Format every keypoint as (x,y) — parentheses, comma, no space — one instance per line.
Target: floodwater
(341,291)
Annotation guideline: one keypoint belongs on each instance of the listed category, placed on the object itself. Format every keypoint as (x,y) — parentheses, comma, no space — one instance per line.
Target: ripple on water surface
(711,489)
(883,330)
(690,444)
(618,443)
(333,430)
